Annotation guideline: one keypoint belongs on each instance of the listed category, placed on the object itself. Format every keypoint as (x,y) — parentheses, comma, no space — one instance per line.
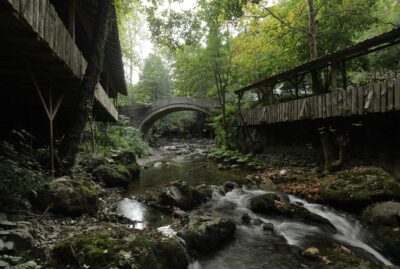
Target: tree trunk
(312,35)
(104,22)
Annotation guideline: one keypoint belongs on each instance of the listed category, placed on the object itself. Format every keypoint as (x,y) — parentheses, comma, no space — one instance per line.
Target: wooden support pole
(51,112)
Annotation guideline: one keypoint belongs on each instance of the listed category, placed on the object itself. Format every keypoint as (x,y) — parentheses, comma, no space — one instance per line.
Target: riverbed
(253,246)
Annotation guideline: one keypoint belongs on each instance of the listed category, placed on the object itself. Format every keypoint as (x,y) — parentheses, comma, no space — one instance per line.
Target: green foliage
(155,82)
(234,156)
(110,140)
(19,169)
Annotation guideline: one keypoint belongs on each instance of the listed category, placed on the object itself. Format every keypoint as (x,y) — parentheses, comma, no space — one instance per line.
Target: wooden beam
(71,17)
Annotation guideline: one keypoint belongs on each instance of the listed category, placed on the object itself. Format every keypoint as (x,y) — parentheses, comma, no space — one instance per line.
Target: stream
(252,247)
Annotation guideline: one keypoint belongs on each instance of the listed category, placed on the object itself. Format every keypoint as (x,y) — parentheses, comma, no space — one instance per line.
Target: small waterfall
(349,231)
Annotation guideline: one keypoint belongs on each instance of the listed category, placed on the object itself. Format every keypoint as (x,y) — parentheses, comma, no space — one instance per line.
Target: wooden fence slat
(397,94)
(348,102)
(340,103)
(390,94)
(315,107)
(354,99)
(334,103)
(377,97)
(383,96)
(369,99)
(360,100)
(328,102)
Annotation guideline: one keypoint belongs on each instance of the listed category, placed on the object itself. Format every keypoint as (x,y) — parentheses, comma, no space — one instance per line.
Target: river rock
(181,195)
(359,187)
(112,175)
(128,159)
(311,252)
(158,165)
(94,161)
(387,213)
(271,204)
(120,249)
(70,197)
(264,203)
(267,227)
(246,218)
(205,234)
(17,240)
(229,186)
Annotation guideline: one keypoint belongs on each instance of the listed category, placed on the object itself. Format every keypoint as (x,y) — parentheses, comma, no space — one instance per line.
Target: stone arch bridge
(143,116)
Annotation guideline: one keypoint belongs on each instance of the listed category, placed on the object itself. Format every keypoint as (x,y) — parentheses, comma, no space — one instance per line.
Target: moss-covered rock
(271,204)
(387,213)
(134,170)
(205,235)
(93,161)
(358,187)
(71,197)
(108,249)
(112,175)
(265,203)
(182,195)
(128,159)
(125,157)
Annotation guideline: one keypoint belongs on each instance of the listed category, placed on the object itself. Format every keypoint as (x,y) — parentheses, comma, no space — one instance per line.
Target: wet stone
(246,219)
(311,252)
(267,227)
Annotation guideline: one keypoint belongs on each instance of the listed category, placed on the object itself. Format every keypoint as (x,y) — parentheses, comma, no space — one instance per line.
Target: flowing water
(251,247)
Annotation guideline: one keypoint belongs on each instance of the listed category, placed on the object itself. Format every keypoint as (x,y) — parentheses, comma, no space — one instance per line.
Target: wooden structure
(44,45)
(144,116)
(377,98)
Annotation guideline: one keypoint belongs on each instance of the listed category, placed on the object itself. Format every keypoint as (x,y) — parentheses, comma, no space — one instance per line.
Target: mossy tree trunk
(104,23)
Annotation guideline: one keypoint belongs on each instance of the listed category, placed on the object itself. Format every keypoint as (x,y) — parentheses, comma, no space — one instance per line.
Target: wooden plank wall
(41,16)
(377,98)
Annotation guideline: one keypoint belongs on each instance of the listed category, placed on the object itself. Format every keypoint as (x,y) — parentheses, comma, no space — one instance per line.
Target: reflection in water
(142,215)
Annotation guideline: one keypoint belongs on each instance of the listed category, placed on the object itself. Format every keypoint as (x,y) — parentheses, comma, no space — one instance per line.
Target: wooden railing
(377,98)
(41,16)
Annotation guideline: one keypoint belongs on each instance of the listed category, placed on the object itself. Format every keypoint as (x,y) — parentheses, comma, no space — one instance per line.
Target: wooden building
(44,45)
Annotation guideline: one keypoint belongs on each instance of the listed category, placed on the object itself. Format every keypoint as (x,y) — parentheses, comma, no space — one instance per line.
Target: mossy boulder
(358,187)
(109,249)
(180,194)
(70,197)
(271,204)
(93,161)
(113,175)
(387,213)
(205,235)
(128,159)
(265,203)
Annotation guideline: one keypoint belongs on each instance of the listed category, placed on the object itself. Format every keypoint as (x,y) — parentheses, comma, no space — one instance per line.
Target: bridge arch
(161,112)
(145,116)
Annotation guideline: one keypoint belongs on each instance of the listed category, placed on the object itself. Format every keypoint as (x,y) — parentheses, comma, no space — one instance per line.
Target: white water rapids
(349,231)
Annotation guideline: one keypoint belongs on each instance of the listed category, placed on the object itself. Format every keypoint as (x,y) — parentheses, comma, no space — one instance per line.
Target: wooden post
(51,112)
(71,17)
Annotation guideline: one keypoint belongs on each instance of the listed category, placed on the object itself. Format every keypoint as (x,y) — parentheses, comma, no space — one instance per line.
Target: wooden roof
(367,46)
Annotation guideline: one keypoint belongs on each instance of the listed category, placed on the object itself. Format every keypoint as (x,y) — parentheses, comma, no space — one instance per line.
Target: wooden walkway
(377,98)
(41,18)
